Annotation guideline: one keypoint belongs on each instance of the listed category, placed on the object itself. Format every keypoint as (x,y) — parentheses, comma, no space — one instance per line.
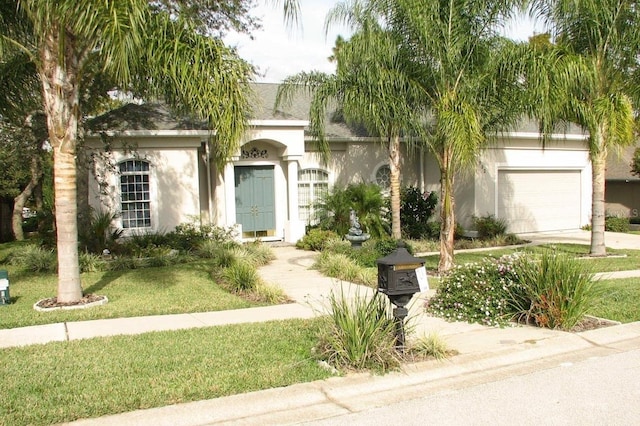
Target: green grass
(181,288)
(65,381)
(628,260)
(619,300)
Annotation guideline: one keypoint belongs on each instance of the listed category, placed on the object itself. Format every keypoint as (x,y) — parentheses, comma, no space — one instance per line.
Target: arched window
(135,197)
(383,177)
(312,185)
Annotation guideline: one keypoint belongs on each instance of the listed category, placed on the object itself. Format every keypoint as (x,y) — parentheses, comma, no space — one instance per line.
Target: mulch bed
(52,302)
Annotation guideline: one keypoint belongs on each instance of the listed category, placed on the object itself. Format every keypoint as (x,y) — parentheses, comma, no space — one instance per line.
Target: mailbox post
(398,279)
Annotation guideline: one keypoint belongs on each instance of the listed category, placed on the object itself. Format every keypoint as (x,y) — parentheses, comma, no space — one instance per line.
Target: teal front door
(255,200)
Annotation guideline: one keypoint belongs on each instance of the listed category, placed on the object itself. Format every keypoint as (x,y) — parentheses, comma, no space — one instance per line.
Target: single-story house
(158,173)
(622,193)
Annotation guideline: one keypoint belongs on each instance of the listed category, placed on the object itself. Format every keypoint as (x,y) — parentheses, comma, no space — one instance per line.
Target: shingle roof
(151,116)
(157,116)
(298,109)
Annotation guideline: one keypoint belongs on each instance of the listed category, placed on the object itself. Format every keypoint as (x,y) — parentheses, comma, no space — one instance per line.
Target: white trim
(153,197)
(154,133)
(374,177)
(544,168)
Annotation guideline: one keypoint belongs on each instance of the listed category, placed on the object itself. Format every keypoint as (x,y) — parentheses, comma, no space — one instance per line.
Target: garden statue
(355,235)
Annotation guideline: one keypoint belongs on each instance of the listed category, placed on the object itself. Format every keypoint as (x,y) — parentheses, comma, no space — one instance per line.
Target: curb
(338,396)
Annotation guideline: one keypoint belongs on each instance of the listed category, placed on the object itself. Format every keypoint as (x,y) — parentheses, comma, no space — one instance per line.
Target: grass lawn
(180,288)
(627,260)
(65,381)
(619,300)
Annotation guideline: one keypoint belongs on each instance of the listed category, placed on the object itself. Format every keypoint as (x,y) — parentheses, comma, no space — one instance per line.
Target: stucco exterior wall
(358,161)
(527,154)
(622,198)
(174,185)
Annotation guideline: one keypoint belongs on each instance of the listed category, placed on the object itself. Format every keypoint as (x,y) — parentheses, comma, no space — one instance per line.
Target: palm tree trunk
(447,215)
(61,96)
(394,167)
(598,165)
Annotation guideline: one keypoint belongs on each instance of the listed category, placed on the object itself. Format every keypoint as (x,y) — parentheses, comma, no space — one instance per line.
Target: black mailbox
(397,273)
(398,279)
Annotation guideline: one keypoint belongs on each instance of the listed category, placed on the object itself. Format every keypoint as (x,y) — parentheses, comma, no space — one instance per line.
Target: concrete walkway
(480,349)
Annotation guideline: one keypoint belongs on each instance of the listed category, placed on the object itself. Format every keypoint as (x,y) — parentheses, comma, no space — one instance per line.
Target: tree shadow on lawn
(158,277)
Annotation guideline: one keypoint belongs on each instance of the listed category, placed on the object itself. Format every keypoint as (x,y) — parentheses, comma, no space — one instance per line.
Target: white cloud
(279,51)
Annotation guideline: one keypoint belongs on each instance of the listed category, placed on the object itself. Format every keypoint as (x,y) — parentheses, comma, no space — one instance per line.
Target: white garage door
(539,200)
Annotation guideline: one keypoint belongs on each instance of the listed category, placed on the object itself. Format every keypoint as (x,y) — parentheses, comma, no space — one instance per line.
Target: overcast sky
(279,52)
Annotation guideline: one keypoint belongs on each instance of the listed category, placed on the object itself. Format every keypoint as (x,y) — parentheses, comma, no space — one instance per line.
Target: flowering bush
(549,290)
(478,292)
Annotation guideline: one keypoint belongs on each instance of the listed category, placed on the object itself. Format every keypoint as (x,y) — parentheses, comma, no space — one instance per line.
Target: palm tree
(138,44)
(589,80)
(469,95)
(425,68)
(445,82)
(369,86)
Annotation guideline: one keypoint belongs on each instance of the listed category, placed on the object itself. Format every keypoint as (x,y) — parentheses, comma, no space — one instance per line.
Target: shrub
(368,203)
(432,346)
(387,245)
(365,256)
(478,292)
(337,245)
(207,249)
(337,265)
(34,259)
(90,262)
(432,230)
(270,294)
(416,208)
(100,234)
(334,209)
(162,258)
(223,257)
(551,291)
(489,226)
(259,254)
(556,291)
(241,276)
(316,239)
(123,263)
(368,277)
(616,224)
(358,334)
(188,236)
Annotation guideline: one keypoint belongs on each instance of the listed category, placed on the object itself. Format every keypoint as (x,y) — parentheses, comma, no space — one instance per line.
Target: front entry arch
(255,200)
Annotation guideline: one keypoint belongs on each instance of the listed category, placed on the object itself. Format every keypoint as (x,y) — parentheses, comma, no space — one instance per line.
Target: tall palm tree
(138,44)
(430,69)
(469,92)
(449,55)
(370,88)
(589,80)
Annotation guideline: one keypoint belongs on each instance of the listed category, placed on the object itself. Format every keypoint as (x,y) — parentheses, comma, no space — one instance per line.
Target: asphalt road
(596,391)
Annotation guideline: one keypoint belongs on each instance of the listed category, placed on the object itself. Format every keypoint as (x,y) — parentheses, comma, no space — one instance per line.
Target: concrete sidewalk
(481,350)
